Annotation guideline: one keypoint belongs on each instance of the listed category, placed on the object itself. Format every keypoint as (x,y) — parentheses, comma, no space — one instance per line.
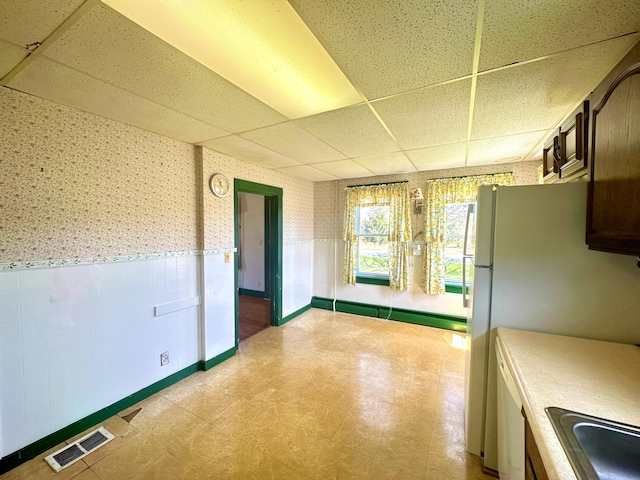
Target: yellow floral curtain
(396,197)
(441,192)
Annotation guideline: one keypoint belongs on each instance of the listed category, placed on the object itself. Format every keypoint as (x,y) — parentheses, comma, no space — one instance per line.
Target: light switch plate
(227,257)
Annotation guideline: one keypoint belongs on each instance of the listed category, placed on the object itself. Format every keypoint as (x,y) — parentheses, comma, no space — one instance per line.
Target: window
(372,230)
(454,224)
(377,227)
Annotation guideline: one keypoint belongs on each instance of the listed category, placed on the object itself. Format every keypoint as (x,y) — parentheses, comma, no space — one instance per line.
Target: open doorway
(258,239)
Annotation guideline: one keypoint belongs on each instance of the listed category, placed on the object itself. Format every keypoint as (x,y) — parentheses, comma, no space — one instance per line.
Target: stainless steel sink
(598,449)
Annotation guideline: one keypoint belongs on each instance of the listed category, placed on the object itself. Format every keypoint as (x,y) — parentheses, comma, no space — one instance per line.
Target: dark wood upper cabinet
(613,216)
(551,160)
(574,143)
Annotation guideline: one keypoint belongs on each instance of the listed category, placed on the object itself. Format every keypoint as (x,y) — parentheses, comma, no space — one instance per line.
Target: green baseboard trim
(252,293)
(40,446)
(428,319)
(300,311)
(212,362)
(324,303)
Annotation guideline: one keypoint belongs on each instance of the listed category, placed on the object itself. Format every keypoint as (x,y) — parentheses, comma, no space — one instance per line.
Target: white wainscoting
(297,276)
(76,339)
(328,260)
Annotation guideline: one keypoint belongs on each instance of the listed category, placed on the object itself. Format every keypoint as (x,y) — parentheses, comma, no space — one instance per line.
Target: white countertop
(597,378)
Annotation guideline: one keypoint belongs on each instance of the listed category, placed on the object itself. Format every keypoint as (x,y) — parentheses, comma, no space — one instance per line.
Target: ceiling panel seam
(474,78)
(47,42)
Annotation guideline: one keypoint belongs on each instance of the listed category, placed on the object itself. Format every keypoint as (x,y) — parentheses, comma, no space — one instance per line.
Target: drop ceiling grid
(42,19)
(344,169)
(521,30)
(429,117)
(293,142)
(238,147)
(10,56)
(387,164)
(108,46)
(352,131)
(57,83)
(536,95)
(440,157)
(308,173)
(394,46)
(503,149)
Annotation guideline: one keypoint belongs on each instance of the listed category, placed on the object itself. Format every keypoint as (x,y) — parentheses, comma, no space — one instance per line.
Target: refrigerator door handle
(465,299)
(470,211)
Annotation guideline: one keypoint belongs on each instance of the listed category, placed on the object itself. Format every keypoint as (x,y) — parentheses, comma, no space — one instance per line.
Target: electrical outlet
(164,359)
(259,284)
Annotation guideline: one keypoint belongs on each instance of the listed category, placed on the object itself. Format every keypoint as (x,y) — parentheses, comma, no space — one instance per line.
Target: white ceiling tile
(429,117)
(353,131)
(511,148)
(25,22)
(436,158)
(539,95)
(60,84)
(10,56)
(247,151)
(387,164)
(344,169)
(108,46)
(308,173)
(390,47)
(521,30)
(293,142)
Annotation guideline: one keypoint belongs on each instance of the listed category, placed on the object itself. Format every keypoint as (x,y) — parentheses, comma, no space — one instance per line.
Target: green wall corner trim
(212,362)
(428,319)
(25,454)
(293,315)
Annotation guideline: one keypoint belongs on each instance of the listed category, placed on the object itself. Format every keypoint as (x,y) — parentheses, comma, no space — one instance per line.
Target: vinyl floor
(326,396)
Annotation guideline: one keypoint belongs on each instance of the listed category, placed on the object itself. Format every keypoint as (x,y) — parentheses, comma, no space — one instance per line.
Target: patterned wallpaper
(76,185)
(298,200)
(329,196)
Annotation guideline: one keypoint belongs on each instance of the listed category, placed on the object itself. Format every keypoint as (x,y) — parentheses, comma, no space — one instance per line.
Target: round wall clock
(219,185)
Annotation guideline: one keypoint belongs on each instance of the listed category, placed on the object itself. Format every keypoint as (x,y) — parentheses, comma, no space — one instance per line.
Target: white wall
(328,282)
(251,248)
(76,339)
(297,276)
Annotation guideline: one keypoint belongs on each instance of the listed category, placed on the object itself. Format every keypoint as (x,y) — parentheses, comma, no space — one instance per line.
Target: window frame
(363,277)
(450,285)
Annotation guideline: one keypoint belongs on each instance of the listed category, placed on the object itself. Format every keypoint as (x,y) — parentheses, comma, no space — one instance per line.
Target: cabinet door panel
(613,222)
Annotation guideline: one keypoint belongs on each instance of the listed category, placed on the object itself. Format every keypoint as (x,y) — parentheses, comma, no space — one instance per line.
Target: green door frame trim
(273,232)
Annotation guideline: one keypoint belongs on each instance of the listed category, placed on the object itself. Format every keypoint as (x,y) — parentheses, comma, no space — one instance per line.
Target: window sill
(454,287)
(373,280)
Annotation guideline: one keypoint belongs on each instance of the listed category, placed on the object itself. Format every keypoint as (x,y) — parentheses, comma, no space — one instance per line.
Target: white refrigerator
(533,271)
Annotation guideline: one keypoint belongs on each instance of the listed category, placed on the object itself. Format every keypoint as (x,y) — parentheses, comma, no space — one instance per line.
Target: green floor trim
(428,319)
(40,446)
(212,362)
(300,311)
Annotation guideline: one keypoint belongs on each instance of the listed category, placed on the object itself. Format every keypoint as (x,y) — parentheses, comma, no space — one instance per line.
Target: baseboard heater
(80,448)
(429,319)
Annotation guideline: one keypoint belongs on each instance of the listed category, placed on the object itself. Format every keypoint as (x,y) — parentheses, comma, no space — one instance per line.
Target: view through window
(455,221)
(373,241)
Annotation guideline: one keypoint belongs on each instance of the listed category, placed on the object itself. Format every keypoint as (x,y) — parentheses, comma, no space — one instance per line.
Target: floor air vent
(72,453)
